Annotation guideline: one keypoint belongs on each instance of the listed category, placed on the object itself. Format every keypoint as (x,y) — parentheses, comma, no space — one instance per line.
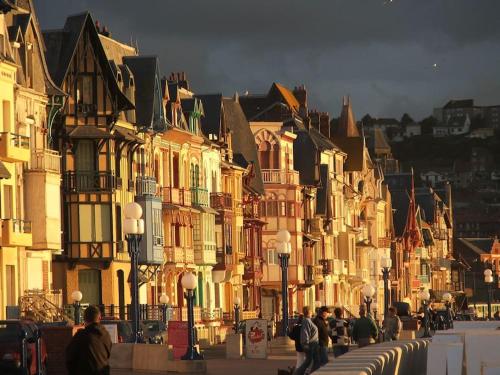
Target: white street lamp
(368,291)
(488,279)
(77,296)
(284,249)
(425,296)
(218,276)
(188,282)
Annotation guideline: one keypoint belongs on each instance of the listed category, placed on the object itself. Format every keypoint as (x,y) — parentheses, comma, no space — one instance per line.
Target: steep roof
(323,195)
(146,74)
(354,148)
(243,141)
(306,157)
(61,47)
(347,124)
(211,123)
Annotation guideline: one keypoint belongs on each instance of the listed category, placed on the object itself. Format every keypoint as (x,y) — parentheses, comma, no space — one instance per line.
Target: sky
(391,57)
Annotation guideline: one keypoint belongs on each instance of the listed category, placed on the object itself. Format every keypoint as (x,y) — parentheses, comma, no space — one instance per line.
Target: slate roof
(306,158)
(323,194)
(211,123)
(252,104)
(478,245)
(354,148)
(88,131)
(61,47)
(244,147)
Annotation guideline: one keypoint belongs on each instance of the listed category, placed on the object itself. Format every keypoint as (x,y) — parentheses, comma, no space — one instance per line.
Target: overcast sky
(382,53)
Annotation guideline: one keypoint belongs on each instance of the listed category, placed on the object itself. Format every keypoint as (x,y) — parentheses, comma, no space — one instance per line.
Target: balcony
(16,233)
(363,274)
(46,161)
(442,264)
(199,197)
(176,254)
(14,147)
(145,185)
(422,252)
(424,279)
(345,267)
(88,182)
(309,273)
(251,210)
(205,255)
(337,266)
(177,196)
(384,242)
(221,201)
(278,176)
(253,269)
(327,266)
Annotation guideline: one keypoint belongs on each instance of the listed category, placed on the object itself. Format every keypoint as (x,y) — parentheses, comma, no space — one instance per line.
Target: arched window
(265,155)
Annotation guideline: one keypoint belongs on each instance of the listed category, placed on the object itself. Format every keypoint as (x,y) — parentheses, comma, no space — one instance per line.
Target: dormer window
(85,94)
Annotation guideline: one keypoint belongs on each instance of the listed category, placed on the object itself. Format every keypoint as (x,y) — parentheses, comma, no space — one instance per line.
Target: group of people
(313,335)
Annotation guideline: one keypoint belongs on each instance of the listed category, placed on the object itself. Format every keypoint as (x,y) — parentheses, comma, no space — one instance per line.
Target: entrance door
(89,283)
(267,307)
(10,284)
(121,293)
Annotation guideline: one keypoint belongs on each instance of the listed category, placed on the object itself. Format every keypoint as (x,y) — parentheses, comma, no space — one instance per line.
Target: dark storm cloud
(381,53)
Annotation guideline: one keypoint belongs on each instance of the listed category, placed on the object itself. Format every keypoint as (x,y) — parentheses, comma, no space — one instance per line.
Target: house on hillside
(455,125)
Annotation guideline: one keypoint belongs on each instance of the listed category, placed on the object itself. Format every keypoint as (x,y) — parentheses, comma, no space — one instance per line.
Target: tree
(428,123)
(406,119)
(367,119)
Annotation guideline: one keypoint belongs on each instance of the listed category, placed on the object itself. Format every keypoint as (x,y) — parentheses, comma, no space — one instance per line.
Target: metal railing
(145,185)
(176,254)
(199,196)
(221,201)
(88,181)
(424,279)
(278,176)
(46,160)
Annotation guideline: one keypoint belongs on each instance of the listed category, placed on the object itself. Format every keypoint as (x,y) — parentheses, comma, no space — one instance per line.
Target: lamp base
(192,355)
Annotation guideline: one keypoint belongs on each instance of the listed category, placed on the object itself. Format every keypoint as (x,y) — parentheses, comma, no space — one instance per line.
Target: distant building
(455,125)
(462,108)
(413,129)
(482,133)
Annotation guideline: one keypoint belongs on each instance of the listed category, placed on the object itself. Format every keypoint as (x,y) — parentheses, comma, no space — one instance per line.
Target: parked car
(124,329)
(12,333)
(154,331)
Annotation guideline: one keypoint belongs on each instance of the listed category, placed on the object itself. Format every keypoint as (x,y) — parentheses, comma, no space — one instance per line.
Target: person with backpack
(294,335)
(339,333)
(323,333)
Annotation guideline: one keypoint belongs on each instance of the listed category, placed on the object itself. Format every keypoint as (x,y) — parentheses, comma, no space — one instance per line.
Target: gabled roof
(306,157)
(212,122)
(347,124)
(243,141)
(61,47)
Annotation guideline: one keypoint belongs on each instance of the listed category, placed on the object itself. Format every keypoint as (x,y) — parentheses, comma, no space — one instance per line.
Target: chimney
(180,78)
(98,26)
(300,94)
(314,119)
(324,124)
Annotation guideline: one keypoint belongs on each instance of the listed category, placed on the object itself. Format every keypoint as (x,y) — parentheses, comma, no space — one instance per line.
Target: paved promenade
(218,365)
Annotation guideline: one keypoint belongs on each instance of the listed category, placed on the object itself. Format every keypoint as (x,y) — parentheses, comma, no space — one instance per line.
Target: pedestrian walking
(321,322)
(294,335)
(364,329)
(310,343)
(339,333)
(89,350)
(392,325)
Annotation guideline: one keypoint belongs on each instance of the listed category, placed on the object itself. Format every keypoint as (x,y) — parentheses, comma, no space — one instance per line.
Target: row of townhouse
(89,125)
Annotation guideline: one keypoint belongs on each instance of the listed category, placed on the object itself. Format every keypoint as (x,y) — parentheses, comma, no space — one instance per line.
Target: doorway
(121,293)
(89,283)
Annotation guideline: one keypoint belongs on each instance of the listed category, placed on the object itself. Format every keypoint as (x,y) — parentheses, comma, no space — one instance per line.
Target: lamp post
(188,282)
(386,263)
(425,296)
(237,302)
(133,226)
(164,301)
(447,297)
(77,296)
(368,292)
(488,279)
(284,248)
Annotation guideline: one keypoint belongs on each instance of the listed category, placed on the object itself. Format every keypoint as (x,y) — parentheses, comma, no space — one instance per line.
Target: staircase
(41,307)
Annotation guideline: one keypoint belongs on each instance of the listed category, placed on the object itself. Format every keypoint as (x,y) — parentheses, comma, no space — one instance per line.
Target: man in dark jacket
(294,334)
(321,322)
(365,330)
(89,350)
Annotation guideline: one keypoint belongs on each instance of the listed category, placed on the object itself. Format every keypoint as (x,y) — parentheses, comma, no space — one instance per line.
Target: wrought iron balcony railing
(89,181)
